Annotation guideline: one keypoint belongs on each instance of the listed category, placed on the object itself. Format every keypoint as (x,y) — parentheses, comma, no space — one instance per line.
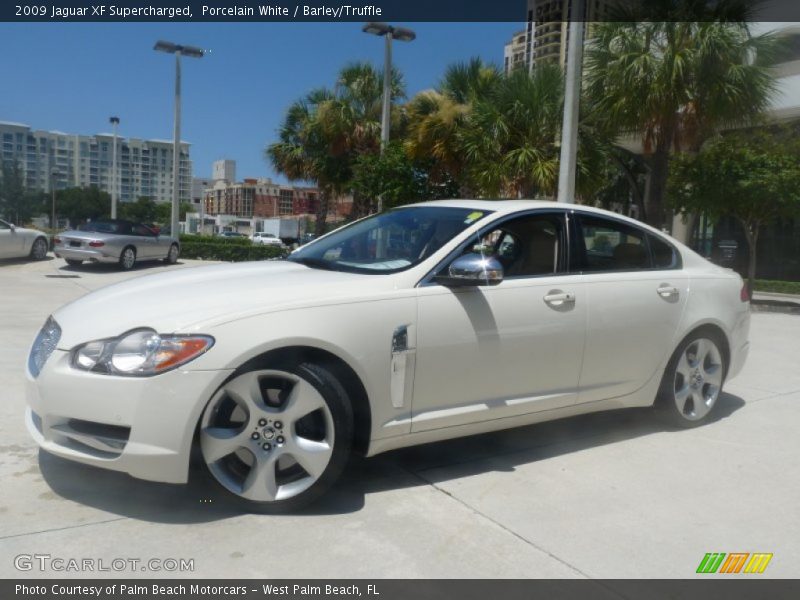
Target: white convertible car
(17,242)
(420,324)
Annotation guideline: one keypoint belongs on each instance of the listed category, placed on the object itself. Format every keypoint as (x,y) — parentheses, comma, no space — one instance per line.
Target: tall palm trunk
(751,230)
(323,204)
(655,191)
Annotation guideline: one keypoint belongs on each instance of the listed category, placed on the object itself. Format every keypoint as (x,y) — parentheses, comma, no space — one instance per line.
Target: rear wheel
(693,380)
(39,249)
(172,255)
(73,262)
(127,260)
(277,439)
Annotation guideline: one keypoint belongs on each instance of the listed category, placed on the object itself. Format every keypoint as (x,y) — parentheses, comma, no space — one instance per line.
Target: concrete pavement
(606,495)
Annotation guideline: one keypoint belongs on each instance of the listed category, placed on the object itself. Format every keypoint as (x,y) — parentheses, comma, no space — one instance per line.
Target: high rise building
(54,158)
(544,39)
(224,170)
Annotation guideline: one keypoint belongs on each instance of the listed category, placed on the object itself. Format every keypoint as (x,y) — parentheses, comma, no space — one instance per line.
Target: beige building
(63,160)
(546,33)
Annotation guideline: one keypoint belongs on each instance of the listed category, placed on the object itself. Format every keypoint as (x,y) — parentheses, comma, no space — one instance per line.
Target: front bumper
(142,426)
(91,254)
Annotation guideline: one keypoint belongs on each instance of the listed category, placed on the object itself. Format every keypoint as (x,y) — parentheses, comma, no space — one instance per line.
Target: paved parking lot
(608,495)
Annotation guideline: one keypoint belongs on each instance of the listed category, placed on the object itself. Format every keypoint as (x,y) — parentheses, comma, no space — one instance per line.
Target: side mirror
(13,227)
(472,270)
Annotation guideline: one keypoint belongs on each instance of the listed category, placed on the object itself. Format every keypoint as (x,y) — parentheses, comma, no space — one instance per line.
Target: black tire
(125,262)
(73,262)
(39,249)
(703,393)
(172,254)
(341,411)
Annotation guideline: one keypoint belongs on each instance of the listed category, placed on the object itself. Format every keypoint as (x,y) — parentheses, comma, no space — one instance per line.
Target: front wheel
(692,381)
(277,439)
(39,249)
(127,259)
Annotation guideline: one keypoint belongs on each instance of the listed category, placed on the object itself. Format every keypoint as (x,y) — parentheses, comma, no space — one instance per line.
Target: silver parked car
(115,241)
(17,242)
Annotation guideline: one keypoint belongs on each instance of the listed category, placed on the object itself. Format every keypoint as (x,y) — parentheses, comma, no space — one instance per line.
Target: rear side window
(664,255)
(611,246)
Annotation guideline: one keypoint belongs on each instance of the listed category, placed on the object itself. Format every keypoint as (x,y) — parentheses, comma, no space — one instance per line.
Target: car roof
(501,207)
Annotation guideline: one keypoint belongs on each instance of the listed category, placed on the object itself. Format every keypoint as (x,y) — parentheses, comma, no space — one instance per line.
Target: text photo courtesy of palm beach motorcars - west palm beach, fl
(501,298)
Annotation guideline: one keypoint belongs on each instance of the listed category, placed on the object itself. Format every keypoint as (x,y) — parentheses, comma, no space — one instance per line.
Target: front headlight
(140,353)
(43,346)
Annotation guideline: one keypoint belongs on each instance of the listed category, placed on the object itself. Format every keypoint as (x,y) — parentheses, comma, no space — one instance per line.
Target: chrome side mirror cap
(472,270)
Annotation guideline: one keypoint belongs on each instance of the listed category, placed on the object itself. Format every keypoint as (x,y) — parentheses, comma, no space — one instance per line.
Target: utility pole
(114,122)
(572,97)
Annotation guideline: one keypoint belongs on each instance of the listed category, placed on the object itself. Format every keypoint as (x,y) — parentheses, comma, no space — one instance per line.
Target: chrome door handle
(557,298)
(667,291)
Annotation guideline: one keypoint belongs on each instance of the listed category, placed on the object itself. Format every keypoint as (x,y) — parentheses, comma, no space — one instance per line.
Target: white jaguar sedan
(420,324)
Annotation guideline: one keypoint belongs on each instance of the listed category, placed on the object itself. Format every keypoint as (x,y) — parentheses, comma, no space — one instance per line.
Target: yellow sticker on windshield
(472,217)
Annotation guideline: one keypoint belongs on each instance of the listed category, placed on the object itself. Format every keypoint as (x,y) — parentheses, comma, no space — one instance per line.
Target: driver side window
(527,246)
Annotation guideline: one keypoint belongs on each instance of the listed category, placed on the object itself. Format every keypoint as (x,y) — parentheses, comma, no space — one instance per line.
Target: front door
(506,350)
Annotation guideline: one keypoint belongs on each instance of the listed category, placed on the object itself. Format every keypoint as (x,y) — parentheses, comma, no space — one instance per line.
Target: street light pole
(178,50)
(53,174)
(390,33)
(114,122)
(572,96)
(387,92)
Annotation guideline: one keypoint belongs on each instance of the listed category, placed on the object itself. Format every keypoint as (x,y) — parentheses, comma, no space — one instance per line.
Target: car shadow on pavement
(90,267)
(201,500)
(23,261)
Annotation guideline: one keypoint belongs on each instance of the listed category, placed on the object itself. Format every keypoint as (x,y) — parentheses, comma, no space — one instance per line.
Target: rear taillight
(744,295)
(56,240)
(96,244)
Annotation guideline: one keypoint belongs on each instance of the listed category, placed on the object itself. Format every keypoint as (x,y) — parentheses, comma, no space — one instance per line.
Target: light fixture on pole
(389,33)
(114,122)
(178,50)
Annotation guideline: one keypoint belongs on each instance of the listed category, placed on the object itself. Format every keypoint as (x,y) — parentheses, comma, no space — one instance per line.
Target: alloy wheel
(267,435)
(39,250)
(128,258)
(698,379)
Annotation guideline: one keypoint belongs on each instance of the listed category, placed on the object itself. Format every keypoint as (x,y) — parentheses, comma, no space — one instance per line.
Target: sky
(72,77)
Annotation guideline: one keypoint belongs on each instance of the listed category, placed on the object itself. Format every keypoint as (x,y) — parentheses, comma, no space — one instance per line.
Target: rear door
(636,291)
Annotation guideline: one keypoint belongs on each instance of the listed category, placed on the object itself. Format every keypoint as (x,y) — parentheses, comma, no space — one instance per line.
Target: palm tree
(302,151)
(674,82)
(324,132)
(436,118)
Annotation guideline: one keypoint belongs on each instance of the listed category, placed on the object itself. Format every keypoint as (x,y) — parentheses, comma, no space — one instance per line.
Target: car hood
(186,300)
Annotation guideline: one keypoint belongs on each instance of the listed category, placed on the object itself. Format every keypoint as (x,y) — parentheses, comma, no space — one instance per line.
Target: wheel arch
(718,331)
(288,356)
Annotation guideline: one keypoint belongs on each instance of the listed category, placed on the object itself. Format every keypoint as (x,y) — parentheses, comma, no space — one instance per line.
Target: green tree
(676,75)
(436,119)
(753,176)
(16,203)
(143,210)
(81,204)
(324,133)
(398,178)
(162,213)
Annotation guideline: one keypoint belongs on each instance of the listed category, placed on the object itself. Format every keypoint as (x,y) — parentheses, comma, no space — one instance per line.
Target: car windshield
(389,242)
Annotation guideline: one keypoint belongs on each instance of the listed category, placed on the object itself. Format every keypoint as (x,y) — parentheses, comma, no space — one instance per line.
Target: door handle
(559,298)
(667,291)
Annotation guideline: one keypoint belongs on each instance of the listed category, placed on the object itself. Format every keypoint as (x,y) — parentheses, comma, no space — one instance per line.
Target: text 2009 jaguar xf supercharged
(423,323)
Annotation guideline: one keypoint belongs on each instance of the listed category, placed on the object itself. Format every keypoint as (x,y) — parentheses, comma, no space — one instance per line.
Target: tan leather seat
(538,256)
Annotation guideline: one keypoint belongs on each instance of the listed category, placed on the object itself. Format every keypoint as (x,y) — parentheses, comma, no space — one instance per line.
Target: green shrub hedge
(213,249)
(216,239)
(778,287)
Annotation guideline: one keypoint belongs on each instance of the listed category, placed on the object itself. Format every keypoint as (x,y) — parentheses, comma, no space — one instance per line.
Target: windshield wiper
(314,263)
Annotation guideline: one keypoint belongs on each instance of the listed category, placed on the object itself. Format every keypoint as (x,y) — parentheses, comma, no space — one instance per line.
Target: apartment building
(54,158)
(259,198)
